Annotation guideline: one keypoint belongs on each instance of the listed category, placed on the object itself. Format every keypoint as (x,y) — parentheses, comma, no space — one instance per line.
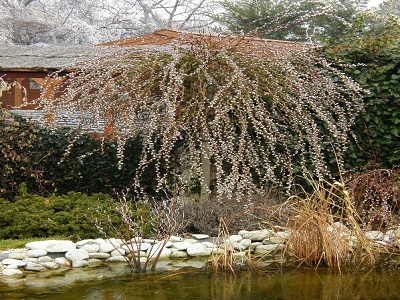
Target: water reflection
(194,284)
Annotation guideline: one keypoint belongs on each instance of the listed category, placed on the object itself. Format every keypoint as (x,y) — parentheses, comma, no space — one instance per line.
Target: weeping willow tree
(231,115)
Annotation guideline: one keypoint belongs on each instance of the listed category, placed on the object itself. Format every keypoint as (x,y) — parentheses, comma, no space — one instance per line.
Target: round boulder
(77,255)
(198,250)
(52,246)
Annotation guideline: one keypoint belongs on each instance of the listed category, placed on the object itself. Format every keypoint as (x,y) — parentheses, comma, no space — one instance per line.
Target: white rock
(144,247)
(17,255)
(168,244)
(11,261)
(175,239)
(105,246)
(209,244)
(150,241)
(178,254)
(143,259)
(115,242)
(77,255)
(116,259)
(339,228)
(52,246)
(31,266)
(389,239)
(43,259)
(36,253)
(375,235)
(242,245)
(276,239)
(82,243)
(240,255)
(141,254)
(50,265)
(11,272)
(265,249)
(268,241)
(91,248)
(234,238)
(11,267)
(153,252)
(180,245)
(99,255)
(198,264)
(191,241)
(283,234)
(62,261)
(217,251)
(256,235)
(255,244)
(79,263)
(94,261)
(135,247)
(136,240)
(391,233)
(198,250)
(118,252)
(200,236)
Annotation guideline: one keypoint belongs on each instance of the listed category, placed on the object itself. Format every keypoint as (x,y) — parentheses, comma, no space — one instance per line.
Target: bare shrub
(250,214)
(375,193)
(141,220)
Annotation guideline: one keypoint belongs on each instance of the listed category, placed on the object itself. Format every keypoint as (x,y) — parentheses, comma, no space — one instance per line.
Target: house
(30,65)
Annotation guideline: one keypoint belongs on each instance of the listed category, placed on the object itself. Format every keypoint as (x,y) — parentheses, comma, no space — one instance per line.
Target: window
(33,85)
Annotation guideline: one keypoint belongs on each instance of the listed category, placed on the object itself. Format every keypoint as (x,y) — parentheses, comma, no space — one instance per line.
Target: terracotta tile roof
(54,57)
(245,44)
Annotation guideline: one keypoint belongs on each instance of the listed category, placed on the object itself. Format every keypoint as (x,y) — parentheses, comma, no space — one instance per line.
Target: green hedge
(374,62)
(35,156)
(72,215)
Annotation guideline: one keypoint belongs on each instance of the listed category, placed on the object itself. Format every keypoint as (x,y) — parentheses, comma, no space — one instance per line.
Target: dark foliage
(36,155)
(374,62)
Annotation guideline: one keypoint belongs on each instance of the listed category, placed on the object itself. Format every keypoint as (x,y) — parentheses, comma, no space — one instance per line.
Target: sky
(375,3)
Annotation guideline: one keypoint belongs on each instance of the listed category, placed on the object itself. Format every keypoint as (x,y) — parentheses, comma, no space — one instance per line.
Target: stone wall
(54,254)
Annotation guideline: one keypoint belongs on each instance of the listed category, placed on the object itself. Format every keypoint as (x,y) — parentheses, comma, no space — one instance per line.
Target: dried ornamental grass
(224,260)
(327,230)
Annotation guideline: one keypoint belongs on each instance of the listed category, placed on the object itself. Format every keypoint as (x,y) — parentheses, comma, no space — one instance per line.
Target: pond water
(198,284)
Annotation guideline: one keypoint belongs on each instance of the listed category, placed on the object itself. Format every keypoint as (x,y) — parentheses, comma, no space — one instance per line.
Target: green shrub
(36,156)
(72,215)
(17,143)
(373,60)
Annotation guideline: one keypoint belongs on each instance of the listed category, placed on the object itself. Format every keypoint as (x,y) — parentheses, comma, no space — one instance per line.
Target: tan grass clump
(224,260)
(327,231)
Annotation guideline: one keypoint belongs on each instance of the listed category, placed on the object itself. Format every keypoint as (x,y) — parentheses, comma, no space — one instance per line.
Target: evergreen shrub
(73,215)
(373,60)
(36,156)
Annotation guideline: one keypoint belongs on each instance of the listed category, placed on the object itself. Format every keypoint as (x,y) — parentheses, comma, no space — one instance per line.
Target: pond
(199,284)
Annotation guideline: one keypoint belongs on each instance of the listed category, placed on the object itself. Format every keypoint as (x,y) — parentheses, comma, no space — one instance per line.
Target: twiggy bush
(214,115)
(375,193)
(205,216)
(140,223)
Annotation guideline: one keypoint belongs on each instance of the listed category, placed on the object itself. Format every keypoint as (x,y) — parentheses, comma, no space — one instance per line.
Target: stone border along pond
(178,252)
